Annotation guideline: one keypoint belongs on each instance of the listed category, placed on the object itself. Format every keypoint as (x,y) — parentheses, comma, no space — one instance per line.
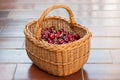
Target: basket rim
(38,42)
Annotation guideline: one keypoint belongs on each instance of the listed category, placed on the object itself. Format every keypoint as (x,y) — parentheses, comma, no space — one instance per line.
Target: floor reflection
(35,72)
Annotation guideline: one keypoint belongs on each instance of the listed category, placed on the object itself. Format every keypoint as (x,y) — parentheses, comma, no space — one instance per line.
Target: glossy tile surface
(105,31)
(101,72)
(31,72)
(116,56)
(100,56)
(7,71)
(4,14)
(11,42)
(14,56)
(13,31)
(105,42)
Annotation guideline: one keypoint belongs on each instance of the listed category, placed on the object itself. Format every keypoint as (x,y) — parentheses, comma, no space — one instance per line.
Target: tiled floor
(102,17)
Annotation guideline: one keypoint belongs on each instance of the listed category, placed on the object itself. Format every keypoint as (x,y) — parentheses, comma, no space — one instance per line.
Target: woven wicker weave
(59,60)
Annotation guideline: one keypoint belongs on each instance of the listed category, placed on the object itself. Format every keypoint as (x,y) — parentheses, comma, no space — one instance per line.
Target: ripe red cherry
(61,41)
(56,35)
(69,36)
(77,36)
(50,41)
(72,39)
(61,30)
(52,36)
(65,38)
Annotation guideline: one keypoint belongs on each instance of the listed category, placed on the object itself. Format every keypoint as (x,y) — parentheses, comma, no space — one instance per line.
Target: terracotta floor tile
(7,71)
(105,42)
(97,14)
(100,56)
(12,31)
(13,22)
(14,6)
(16,27)
(24,45)
(14,56)
(106,14)
(1,28)
(11,42)
(97,21)
(31,72)
(24,57)
(27,14)
(4,14)
(105,31)
(2,23)
(101,72)
(115,56)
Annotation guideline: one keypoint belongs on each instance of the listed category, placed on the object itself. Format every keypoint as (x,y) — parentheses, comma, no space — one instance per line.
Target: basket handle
(44,14)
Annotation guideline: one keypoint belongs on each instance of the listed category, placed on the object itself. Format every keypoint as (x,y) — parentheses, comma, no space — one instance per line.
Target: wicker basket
(59,60)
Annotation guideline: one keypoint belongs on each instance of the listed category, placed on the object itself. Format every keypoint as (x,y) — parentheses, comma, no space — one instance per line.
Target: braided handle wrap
(48,10)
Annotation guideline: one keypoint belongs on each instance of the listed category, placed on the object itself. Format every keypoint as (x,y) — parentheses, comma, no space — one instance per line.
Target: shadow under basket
(59,60)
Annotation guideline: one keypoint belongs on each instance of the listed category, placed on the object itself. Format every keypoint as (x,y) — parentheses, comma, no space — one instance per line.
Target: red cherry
(61,41)
(77,36)
(47,32)
(64,42)
(52,36)
(65,38)
(61,30)
(72,39)
(50,41)
(56,35)
(69,36)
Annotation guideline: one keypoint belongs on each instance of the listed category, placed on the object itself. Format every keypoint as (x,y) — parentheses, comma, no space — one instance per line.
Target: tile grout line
(2,29)
(87,3)
(12,48)
(23,44)
(82,73)
(14,72)
(111,56)
(16,63)
(105,48)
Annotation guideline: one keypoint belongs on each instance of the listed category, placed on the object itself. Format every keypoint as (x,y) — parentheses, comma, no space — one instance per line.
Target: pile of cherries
(54,36)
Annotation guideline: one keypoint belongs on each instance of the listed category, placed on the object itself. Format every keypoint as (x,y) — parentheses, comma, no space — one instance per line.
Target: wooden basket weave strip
(59,60)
